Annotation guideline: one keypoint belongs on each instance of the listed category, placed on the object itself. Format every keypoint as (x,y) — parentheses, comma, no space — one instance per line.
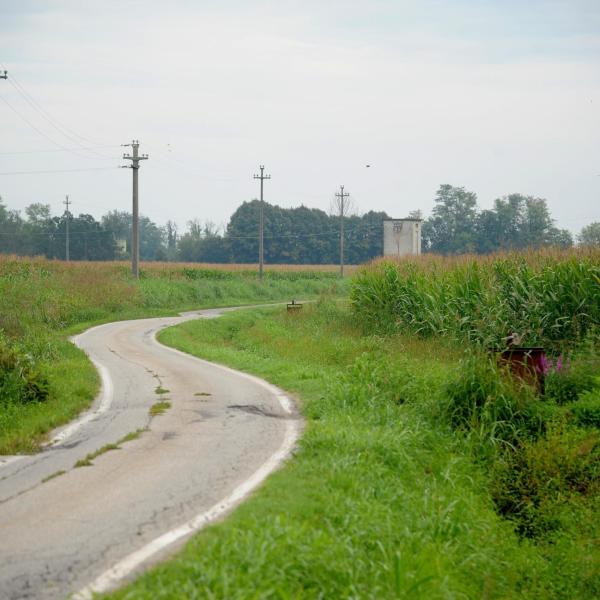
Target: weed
(55,474)
(161,390)
(87,461)
(134,435)
(159,408)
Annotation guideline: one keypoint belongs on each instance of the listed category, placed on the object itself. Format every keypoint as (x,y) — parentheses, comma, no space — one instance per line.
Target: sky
(498,96)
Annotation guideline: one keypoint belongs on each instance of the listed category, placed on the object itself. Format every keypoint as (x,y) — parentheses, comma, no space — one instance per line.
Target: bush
(484,398)
(568,378)
(20,380)
(535,480)
(586,411)
(567,384)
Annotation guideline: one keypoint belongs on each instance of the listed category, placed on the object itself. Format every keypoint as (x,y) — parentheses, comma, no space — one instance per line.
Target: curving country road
(93,527)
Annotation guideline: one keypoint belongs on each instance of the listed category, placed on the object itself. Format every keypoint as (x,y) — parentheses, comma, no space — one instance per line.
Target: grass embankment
(45,381)
(384,497)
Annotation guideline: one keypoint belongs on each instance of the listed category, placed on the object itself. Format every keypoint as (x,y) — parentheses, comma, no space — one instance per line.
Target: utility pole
(67,215)
(261,245)
(135,158)
(342,196)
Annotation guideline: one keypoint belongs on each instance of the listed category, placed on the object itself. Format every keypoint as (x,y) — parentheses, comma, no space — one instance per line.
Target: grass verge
(380,501)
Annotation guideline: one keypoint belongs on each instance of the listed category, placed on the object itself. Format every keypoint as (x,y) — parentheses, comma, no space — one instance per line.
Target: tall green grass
(545,297)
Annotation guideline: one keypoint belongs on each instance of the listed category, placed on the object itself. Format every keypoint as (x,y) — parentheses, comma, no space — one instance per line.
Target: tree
(518,222)
(151,236)
(170,234)
(203,243)
(452,227)
(590,235)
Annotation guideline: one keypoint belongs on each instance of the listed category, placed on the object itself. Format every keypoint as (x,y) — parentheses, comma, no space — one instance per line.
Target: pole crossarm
(4,75)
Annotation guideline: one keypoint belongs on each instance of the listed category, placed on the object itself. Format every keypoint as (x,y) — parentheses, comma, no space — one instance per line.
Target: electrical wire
(58,171)
(225,237)
(62,129)
(37,130)
(53,150)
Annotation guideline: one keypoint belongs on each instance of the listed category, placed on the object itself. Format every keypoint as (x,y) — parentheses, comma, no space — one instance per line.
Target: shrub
(20,380)
(535,480)
(484,398)
(568,378)
(566,385)
(586,411)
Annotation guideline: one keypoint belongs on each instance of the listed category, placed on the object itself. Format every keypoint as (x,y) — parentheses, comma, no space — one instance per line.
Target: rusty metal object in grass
(528,363)
(294,307)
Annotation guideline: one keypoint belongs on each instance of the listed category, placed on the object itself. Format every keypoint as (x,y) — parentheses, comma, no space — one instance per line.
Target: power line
(332,234)
(57,171)
(47,150)
(62,129)
(39,131)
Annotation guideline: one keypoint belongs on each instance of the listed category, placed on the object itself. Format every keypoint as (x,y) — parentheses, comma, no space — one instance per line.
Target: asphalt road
(93,527)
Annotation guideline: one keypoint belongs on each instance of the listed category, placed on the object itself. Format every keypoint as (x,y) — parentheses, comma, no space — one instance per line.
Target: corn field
(547,297)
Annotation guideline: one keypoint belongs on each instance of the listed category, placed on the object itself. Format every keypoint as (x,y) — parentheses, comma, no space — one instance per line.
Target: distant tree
(590,235)
(518,222)
(203,243)
(11,234)
(38,213)
(170,235)
(152,237)
(451,229)
(88,239)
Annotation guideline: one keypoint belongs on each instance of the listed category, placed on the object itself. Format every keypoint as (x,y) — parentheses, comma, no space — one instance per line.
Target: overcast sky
(498,96)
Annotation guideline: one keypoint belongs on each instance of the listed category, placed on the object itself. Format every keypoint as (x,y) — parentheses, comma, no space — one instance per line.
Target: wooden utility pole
(342,196)
(68,216)
(135,158)
(261,227)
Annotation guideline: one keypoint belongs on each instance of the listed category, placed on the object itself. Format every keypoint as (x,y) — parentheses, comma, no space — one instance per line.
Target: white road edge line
(111,577)
(106,398)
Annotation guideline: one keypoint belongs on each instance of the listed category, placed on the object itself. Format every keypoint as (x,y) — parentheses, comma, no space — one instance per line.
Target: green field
(387,496)
(45,381)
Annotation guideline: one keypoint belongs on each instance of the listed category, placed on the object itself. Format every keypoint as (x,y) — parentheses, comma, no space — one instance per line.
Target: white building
(402,237)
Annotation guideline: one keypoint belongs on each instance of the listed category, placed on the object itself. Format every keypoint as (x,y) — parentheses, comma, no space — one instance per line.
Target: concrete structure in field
(402,237)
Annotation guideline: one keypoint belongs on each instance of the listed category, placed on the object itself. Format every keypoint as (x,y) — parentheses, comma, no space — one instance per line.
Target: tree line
(299,235)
